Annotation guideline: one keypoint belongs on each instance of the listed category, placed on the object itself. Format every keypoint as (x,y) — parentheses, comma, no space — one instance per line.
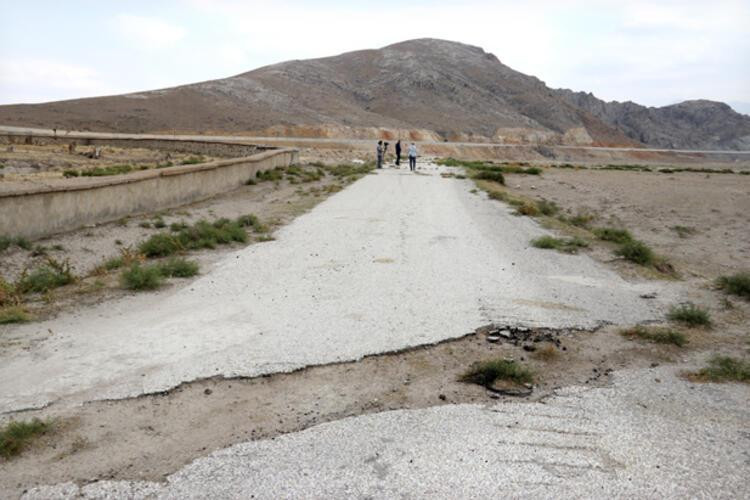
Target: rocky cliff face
(434,88)
(699,124)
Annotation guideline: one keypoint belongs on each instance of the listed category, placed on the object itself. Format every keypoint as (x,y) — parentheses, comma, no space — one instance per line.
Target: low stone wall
(74,203)
(207,147)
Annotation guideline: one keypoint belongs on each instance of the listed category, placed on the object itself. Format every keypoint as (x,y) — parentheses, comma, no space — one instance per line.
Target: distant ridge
(425,88)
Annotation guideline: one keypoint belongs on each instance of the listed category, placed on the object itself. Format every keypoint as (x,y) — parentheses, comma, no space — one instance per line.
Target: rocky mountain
(699,124)
(423,88)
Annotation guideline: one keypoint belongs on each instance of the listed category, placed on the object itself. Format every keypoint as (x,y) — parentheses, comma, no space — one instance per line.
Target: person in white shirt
(412,157)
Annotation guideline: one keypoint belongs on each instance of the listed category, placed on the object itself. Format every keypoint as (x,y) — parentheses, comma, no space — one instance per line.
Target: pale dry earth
(394,261)
(448,454)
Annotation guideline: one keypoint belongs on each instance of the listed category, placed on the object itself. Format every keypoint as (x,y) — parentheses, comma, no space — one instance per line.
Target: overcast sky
(654,53)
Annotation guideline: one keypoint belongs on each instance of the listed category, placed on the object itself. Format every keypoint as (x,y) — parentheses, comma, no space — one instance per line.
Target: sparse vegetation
(16,435)
(690,314)
(723,369)
(6,242)
(202,234)
(486,373)
(548,208)
(527,208)
(567,245)
(140,277)
(615,235)
(578,220)
(348,171)
(250,220)
(636,251)
(159,245)
(490,175)
(483,166)
(193,160)
(274,174)
(13,314)
(656,335)
(51,275)
(178,268)
(736,284)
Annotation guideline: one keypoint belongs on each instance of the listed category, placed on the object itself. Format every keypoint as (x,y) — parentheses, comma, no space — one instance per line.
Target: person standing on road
(412,157)
(379,150)
(398,153)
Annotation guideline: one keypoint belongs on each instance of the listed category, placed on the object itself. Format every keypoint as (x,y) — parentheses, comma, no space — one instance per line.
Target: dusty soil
(151,436)
(24,162)
(698,221)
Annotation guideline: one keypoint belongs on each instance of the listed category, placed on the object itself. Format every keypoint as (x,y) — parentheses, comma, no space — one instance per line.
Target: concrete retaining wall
(44,210)
(208,147)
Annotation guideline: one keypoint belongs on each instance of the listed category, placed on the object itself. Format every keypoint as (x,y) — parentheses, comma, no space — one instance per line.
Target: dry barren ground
(148,437)
(37,163)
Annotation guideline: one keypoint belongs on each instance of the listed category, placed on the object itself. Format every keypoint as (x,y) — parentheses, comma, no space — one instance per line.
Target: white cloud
(21,80)
(149,32)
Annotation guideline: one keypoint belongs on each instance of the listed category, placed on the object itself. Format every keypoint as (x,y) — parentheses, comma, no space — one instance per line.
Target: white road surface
(393,261)
(649,435)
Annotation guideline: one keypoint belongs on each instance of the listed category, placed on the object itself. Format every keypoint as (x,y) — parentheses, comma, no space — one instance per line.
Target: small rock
(493,338)
(654,365)
(651,295)
(504,333)
(208,392)
(529,348)
(442,397)
(657,380)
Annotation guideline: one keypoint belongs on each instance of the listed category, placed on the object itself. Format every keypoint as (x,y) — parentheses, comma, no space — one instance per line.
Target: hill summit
(424,88)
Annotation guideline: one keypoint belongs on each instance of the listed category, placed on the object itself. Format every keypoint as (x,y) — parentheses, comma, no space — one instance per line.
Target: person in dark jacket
(379,154)
(398,153)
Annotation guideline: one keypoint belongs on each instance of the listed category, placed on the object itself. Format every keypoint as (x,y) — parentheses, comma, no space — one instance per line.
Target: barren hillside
(428,88)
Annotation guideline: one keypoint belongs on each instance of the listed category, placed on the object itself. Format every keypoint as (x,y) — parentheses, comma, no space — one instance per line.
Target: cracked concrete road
(393,261)
(636,438)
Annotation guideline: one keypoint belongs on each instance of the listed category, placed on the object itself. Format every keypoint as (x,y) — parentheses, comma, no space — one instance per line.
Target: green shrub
(159,245)
(613,234)
(737,284)
(486,373)
(690,314)
(16,435)
(113,263)
(178,268)
(138,277)
(178,226)
(724,369)
(70,173)
(636,251)
(47,277)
